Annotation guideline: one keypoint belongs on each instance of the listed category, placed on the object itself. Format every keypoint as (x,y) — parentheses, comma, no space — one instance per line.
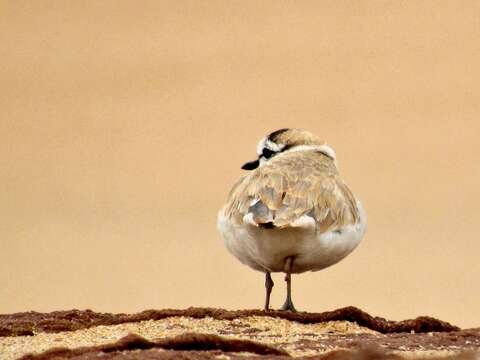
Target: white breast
(266,249)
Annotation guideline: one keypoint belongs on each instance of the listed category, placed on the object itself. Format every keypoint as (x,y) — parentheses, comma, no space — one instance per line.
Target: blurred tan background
(123,125)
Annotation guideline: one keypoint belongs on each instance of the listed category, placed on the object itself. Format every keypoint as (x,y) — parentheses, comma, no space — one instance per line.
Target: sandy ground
(266,330)
(278,337)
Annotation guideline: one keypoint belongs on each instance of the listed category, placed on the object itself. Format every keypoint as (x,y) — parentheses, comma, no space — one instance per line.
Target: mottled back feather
(291,185)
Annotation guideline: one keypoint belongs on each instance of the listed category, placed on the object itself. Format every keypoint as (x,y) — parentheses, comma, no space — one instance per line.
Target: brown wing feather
(292,185)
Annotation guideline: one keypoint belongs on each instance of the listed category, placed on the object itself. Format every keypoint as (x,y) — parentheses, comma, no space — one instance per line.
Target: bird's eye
(267,153)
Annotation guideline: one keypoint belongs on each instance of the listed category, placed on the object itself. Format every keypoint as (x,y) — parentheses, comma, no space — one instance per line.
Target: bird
(291,212)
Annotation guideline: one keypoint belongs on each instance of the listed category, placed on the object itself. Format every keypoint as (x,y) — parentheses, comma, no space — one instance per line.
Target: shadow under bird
(292,212)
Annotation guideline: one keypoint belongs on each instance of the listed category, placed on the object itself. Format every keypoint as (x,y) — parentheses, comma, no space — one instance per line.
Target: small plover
(292,213)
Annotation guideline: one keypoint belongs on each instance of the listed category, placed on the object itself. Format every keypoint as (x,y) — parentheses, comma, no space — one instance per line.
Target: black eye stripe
(267,153)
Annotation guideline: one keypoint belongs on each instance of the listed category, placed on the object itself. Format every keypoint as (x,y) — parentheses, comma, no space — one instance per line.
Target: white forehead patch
(266,143)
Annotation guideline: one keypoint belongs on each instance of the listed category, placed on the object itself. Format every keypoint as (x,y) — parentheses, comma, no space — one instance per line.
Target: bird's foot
(288,306)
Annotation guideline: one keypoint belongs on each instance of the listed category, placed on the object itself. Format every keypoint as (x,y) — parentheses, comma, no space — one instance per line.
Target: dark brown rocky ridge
(28,323)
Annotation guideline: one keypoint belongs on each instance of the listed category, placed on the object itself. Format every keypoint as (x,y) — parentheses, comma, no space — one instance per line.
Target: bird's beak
(251,165)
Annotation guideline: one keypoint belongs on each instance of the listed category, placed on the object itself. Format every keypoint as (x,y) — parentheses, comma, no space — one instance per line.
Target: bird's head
(284,140)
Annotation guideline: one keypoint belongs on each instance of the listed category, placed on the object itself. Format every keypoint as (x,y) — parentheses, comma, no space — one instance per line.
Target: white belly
(266,249)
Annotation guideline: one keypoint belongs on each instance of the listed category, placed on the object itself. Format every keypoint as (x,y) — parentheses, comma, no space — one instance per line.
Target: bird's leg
(288,302)
(268,288)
